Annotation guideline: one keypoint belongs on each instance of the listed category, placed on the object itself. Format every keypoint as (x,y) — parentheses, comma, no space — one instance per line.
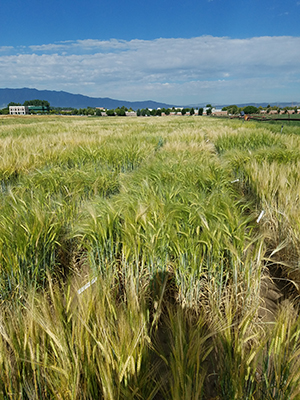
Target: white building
(18,110)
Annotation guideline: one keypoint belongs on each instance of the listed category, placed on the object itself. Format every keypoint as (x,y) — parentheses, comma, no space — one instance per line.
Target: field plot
(186,233)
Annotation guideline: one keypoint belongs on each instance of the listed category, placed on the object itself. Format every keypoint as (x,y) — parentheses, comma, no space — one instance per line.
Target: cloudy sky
(179,52)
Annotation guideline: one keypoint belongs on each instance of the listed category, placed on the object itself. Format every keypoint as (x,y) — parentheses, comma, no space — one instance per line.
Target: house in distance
(18,110)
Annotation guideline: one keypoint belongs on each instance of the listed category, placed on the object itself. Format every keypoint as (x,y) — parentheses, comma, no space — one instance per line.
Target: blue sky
(173,51)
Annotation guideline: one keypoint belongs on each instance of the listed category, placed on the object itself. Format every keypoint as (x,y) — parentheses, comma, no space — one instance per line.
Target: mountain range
(69,100)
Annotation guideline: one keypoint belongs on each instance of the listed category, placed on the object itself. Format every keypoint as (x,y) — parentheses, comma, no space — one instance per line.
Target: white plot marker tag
(260,216)
(86,286)
(236,180)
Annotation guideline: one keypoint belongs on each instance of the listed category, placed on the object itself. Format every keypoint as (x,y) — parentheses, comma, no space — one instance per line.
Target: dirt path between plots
(276,291)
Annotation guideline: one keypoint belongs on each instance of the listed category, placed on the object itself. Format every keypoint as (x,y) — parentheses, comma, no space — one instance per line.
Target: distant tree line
(119,111)
(165,111)
(35,102)
(235,110)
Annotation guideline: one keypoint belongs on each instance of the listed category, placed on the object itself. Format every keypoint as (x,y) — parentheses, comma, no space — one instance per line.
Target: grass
(163,212)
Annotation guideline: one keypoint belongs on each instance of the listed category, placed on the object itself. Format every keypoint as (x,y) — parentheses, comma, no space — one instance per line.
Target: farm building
(39,109)
(18,110)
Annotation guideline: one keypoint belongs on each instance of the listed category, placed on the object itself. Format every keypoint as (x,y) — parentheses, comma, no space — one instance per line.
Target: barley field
(149,258)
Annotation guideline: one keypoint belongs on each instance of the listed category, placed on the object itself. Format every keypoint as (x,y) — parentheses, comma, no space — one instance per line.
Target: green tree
(36,102)
(192,111)
(200,111)
(98,112)
(90,111)
(110,113)
(232,109)
(12,104)
(250,110)
(120,112)
(145,112)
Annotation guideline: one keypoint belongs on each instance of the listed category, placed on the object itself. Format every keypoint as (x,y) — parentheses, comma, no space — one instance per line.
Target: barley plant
(149,258)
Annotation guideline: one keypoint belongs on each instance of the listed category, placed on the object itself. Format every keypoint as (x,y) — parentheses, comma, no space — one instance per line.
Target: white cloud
(6,48)
(171,70)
